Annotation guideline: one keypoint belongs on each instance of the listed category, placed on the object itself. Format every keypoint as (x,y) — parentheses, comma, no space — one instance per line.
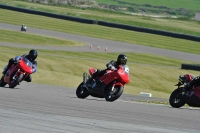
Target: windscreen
(126,69)
(27,62)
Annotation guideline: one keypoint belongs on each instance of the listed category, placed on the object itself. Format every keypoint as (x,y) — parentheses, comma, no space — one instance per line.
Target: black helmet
(121,59)
(33,54)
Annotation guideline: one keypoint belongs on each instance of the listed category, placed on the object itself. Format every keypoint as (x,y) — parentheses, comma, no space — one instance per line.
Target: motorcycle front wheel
(112,95)
(15,82)
(82,92)
(176,99)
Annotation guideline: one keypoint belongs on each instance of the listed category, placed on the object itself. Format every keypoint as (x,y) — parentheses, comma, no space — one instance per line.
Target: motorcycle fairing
(24,65)
(118,84)
(123,75)
(197,91)
(114,75)
(9,72)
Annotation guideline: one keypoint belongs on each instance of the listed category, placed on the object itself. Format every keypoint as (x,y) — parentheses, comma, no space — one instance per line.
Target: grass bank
(132,37)
(26,38)
(148,73)
(174,25)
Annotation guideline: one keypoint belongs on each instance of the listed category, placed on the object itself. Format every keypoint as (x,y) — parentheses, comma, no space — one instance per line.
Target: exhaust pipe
(84,77)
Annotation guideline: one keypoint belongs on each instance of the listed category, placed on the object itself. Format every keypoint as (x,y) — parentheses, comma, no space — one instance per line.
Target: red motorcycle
(109,86)
(180,97)
(17,73)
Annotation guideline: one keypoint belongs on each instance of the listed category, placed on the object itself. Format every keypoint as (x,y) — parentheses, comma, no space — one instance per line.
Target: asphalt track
(33,108)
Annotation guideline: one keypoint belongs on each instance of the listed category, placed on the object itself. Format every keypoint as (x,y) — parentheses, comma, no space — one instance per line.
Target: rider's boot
(2,83)
(5,70)
(89,82)
(10,63)
(187,89)
(2,78)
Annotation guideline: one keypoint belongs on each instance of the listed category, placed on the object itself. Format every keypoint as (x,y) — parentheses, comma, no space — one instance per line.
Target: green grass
(26,38)
(180,8)
(174,25)
(148,73)
(187,4)
(99,31)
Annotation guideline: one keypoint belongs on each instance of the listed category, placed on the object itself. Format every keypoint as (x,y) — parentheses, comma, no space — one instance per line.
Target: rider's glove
(111,68)
(17,59)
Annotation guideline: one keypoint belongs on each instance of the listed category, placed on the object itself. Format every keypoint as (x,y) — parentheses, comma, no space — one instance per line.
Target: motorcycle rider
(112,65)
(31,57)
(190,97)
(23,27)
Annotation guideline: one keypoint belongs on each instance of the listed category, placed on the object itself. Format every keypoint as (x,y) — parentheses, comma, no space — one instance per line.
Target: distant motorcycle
(109,86)
(23,28)
(179,97)
(17,73)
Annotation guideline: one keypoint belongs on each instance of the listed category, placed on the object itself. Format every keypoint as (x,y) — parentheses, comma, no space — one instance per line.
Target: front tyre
(176,99)
(82,92)
(15,82)
(115,94)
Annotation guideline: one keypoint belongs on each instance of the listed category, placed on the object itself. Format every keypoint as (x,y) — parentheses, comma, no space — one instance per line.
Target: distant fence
(190,67)
(103,23)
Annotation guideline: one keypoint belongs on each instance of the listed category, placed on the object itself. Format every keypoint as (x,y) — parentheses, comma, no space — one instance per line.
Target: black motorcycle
(179,97)
(23,28)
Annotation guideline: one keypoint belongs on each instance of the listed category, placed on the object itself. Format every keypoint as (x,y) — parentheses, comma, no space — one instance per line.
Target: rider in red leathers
(112,65)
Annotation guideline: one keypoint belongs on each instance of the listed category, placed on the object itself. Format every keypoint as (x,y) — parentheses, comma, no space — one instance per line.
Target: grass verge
(36,21)
(26,38)
(174,25)
(148,73)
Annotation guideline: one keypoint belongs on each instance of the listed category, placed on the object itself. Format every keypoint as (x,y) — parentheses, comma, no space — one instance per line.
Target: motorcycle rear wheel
(111,96)
(82,92)
(176,99)
(15,82)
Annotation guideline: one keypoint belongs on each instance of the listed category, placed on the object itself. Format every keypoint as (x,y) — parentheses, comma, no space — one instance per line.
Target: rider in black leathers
(112,65)
(31,57)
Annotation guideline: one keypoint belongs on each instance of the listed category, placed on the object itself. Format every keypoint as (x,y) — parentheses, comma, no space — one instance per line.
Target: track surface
(33,108)
(43,109)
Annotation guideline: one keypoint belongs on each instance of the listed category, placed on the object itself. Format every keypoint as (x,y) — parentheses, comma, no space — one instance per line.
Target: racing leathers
(193,98)
(15,60)
(112,65)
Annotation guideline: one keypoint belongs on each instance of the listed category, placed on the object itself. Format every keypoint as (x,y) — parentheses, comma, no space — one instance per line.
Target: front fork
(84,78)
(113,86)
(17,74)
